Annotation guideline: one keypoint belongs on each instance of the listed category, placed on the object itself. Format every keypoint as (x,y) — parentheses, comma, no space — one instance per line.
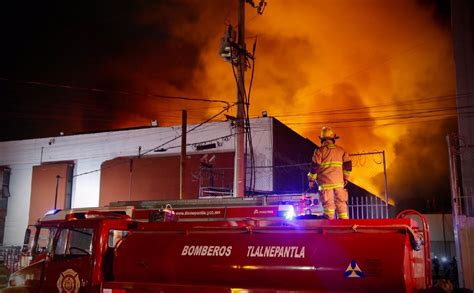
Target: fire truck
(236,249)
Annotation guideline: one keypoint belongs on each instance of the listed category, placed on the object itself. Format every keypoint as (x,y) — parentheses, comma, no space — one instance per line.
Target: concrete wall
(441,236)
(89,151)
(466,235)
(263,155)
(157,177)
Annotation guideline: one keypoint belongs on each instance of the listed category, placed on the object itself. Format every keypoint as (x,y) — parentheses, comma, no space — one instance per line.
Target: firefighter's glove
(312,180)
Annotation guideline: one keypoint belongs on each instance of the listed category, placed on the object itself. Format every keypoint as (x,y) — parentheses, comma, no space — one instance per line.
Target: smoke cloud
(379,72)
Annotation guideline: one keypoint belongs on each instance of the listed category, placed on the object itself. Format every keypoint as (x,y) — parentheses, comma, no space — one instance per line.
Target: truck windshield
(74,242)
(44,240)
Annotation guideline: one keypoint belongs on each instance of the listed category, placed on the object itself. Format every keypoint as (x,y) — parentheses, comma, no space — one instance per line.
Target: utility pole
(239,161)
(235,52)
(56,193)
(456,204)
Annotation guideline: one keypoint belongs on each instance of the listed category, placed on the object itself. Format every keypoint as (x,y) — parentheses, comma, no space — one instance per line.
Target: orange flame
(370,71)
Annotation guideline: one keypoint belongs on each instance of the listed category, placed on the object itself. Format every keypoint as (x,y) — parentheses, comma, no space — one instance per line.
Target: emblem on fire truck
(353,271)
(68,282)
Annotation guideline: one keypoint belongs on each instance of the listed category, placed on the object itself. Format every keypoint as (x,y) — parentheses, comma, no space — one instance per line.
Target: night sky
(380,72)
(107,45)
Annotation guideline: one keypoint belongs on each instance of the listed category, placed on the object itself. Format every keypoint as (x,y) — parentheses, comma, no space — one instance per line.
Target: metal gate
(11,257)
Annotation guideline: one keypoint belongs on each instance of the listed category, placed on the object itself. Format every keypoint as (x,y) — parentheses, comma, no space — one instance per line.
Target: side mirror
(49,256)
(26,241)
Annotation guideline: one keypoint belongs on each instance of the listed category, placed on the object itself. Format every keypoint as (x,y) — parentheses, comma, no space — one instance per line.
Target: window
(74,242)
(4,181)
(115,236)
(45,240)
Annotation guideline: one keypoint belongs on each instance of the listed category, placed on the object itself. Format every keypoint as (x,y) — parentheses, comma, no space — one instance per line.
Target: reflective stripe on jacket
(332,165)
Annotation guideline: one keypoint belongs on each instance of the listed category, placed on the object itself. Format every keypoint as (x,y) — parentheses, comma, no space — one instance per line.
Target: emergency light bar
(82,213)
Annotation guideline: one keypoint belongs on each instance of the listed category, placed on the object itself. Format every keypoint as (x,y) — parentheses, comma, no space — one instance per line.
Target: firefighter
(330,170)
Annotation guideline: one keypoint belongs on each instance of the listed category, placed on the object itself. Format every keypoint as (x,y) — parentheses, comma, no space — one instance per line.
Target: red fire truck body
(101,252)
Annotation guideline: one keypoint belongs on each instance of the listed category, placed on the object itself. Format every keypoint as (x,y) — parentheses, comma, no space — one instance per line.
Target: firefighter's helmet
(328,133)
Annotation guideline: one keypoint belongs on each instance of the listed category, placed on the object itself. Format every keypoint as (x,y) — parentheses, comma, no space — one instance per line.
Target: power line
(191,129)
(155,148)
(108,91)
(225,138)
(417,121)
(410,115)
(370,107)
(410,110)
(65,152)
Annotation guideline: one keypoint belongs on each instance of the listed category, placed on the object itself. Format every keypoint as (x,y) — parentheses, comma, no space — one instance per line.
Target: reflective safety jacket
(331,166)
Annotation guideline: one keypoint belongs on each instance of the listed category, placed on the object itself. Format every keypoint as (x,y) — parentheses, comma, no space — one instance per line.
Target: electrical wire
(371,107)
(225,137)
(405,112)
(412,115)
(108,91)
(247,117)
(86,141)
(103,168)
(188,131)
(245,99)
(142,154)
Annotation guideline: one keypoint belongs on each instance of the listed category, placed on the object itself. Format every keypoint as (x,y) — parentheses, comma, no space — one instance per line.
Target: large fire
(379,72)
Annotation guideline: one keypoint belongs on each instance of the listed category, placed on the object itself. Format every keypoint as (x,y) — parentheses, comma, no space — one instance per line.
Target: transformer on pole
(233,50)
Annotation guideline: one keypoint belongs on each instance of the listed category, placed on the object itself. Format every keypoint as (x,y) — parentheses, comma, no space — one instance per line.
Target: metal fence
(367,208)
(213,182)
(368,167)
(11,257)
(465,202)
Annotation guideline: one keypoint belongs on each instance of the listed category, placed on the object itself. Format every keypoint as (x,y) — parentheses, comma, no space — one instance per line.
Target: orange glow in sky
(380,73)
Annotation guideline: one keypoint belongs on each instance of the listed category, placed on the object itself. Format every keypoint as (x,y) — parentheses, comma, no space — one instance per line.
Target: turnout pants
(335,200)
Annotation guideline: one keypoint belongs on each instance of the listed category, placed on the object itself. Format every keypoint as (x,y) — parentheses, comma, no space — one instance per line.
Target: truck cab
(69,251)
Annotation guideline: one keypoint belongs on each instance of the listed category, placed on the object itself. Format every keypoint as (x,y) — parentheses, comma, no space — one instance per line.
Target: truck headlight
(16,280)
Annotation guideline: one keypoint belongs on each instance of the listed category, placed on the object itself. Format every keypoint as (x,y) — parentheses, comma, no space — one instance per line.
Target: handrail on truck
(426,246)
